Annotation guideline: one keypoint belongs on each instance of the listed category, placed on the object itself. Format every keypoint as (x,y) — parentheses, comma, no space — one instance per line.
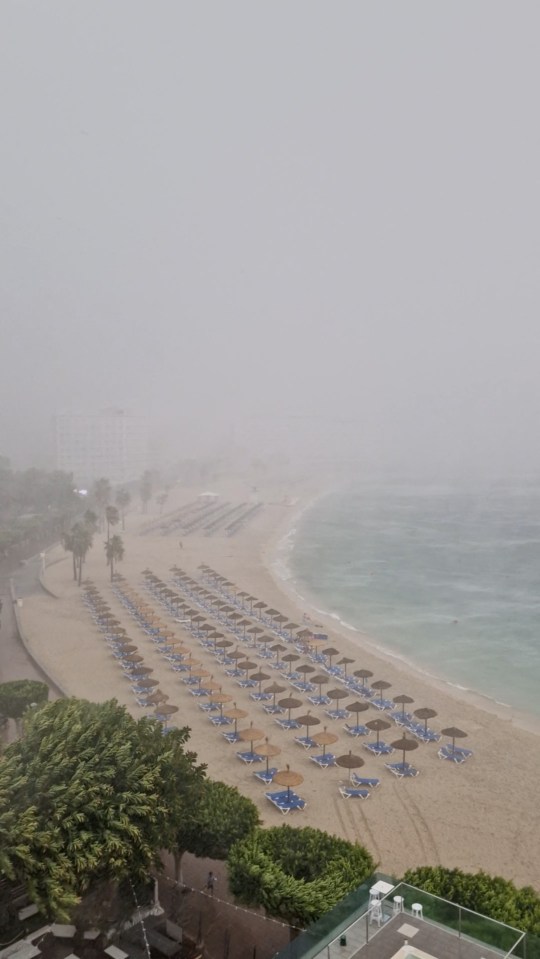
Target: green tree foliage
(114,551)
(145,489)
(491,896)
(219,818)
(18,695)
(79,542)
(34,504)
(91,520)
(88,795)
(123,499)
(113,518)
(296,874)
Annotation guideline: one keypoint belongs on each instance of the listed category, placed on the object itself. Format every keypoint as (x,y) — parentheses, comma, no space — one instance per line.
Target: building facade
(111,443)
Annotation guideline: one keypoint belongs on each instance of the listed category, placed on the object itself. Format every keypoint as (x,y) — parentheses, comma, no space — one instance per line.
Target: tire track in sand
(345,815)
(424,835)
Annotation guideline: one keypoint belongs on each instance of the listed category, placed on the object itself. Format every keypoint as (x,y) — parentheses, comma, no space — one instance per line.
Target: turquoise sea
(446,578)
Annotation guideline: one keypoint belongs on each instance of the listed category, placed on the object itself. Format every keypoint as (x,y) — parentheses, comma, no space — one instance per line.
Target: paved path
(14,660)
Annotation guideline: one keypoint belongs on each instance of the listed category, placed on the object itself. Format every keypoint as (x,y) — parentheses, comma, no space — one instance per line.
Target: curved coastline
(276,558)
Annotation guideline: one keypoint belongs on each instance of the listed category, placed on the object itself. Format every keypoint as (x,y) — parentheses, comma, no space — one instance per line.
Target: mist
(303,228)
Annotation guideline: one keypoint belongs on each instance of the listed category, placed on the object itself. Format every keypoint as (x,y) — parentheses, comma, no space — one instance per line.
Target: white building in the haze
(112,443)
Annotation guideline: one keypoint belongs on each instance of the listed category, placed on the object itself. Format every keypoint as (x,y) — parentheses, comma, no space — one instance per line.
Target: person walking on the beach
(210,880)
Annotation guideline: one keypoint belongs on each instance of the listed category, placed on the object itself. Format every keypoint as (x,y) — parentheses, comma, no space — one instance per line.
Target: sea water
(448,579)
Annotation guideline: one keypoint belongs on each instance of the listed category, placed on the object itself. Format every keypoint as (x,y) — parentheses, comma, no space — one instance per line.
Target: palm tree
(123,499)
(82,542)
(91,520)
(102,495)
(113,517)
(145,489)
(67,543)
(114,551)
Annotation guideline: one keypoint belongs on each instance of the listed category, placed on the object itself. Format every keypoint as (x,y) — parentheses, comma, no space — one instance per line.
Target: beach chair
(306,741)
(351,792)
(370,781)
(285,803)
(383,704)
(266,777)
(274,710)
(357,730)
(288,723)
(319,700)
(220,720)
(456,755)
(426,735)
(337,713)
(260,697)
(379,749)
(231,737)
(250,757)
(328,759)
(402,770)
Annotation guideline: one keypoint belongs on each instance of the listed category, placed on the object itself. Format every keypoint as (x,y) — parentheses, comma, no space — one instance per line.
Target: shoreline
(290,587)
(463,817)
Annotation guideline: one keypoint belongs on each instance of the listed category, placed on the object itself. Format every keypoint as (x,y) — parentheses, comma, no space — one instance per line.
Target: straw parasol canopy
(337,693)
(260,678)
(223,643)
(147,683)
(356,707)
(377,725)
(157,697)
(325,739)
(290,658)
(286,777)
(237,654)
(290,703)
(275,688)
(425,713)
(320,680)
(331,651)
(381,685)
(247,665)
(235,714)
(305,668)
(308,720)
(166,710)
(250,734)
(137,672)
(405,745)
(349,761)
(403,700)
(345,661)
(220,701)
(363,674)
(268,751)
(133,658)
(454,733)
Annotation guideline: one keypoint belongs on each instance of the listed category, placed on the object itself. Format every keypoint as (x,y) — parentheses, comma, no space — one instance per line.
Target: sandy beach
(483,814)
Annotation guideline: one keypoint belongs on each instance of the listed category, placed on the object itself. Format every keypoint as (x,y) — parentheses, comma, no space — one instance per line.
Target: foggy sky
(299,218)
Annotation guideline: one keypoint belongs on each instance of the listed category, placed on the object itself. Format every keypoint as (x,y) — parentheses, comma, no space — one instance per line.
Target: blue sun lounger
(285,803)
(328,759)
(370,782)
(266,777)
(352,792)
(357,730)
(379,749)
(456,755)
(288,723)
(306,741)
(402,770)
(250,757)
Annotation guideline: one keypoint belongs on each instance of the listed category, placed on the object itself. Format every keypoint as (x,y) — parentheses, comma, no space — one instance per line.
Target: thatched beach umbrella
(381,685)
(425,713)
(235,714)
(305,668)
(237,654)
(166,710)
(274,689)
(345,661)
(349,761)
(405,745)
(268,751)
(325,739)
(139,672)
(356,707)
(320,680)
(260,678)
(377,725)
(286,777)
(157,696)
(290,703)
(278,648)
(290,658)
(147,683)
(454,733)
(308,720)
(133,658)
(363,674)
(250,734)
(330,652)
(403,700)
(337,693)
(220,700)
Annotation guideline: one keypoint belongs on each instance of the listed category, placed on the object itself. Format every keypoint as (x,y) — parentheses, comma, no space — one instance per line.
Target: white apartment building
(111,443)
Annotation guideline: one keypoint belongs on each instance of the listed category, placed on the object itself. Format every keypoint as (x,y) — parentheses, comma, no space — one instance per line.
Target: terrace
(398,921)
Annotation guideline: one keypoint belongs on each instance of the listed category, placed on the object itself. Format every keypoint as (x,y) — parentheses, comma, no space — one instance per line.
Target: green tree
(81,543)
(113,518)
(123,499)
(218,818)
(87,796)
(296,874)
(145,489)
(68,542)
(101,493)
(17,695)
(114,551)
(91,520)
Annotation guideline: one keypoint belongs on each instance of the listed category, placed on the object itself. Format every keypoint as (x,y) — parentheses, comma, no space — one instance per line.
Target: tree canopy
(296,874)
(17,695)
(90,794)
(491,896)
(220,817)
